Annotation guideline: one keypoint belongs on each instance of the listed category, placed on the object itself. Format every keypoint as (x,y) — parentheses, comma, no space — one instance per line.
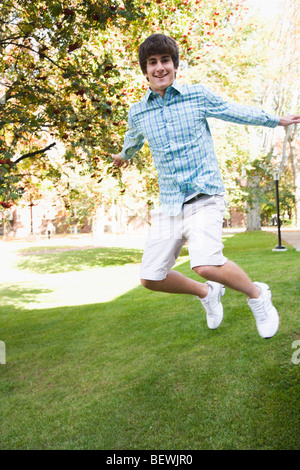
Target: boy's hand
(288,120)
(119,161)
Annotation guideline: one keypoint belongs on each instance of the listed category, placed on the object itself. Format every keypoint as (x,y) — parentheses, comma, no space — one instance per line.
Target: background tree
(277,83)
(54,68)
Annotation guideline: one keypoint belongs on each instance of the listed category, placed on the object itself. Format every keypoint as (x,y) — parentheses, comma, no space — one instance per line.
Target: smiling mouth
(160,76)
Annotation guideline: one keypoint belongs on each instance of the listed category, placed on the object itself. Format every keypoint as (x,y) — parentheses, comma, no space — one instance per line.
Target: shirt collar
(176,86)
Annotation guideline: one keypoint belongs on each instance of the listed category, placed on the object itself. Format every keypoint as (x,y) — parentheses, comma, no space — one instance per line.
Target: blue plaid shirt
(180,141)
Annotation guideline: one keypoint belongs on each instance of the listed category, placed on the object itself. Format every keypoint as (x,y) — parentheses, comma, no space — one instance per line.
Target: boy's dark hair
(158,44)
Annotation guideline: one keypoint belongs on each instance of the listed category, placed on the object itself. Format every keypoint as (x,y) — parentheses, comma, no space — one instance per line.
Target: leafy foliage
(70,72)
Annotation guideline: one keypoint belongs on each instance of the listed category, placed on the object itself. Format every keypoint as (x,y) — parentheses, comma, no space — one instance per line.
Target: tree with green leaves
(277,84)
(58,77)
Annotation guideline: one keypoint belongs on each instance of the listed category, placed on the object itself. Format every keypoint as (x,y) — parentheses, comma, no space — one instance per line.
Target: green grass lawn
(144,372)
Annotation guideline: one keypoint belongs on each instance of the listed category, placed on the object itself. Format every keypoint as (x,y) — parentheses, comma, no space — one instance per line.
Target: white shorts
(200,223)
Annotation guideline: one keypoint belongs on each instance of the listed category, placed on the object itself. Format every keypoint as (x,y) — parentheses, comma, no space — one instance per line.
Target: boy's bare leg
(177,283)
(229,274)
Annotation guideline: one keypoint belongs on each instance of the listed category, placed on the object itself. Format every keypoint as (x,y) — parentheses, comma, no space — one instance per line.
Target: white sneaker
(212,304)
(266,316)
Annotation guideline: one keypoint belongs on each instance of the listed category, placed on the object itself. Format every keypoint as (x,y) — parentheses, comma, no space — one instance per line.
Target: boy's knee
(145,283)
(203,271)
(148,284)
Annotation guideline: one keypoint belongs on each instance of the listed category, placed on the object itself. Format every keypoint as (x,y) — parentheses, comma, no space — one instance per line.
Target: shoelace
(210,307)
(260,311)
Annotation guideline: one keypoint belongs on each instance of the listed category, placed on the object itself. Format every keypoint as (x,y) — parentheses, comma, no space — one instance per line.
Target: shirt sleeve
(133,140)
(217,107)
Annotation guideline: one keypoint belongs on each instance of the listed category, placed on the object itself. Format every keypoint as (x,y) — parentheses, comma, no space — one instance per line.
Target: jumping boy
(173,119)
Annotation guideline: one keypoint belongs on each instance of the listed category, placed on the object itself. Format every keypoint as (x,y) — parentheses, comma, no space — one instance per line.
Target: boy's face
(160,72)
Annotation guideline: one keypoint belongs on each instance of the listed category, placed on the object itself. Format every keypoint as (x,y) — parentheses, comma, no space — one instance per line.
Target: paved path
(292,237)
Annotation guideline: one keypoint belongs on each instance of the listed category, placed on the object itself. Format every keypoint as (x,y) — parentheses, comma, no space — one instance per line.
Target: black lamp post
(279,247)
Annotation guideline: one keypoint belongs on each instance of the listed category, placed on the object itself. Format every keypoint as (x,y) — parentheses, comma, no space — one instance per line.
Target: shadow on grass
(52,262)
(20,294)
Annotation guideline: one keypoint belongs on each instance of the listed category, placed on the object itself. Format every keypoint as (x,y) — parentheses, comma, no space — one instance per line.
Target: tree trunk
(296,175)
(253,216)
(253,205)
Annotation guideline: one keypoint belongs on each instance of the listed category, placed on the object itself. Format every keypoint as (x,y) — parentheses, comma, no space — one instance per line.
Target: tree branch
(37,52)
(37,152)
(7,41)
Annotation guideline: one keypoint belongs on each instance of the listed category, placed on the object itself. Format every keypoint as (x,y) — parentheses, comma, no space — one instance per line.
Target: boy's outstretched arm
(119,161)
(289,120)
